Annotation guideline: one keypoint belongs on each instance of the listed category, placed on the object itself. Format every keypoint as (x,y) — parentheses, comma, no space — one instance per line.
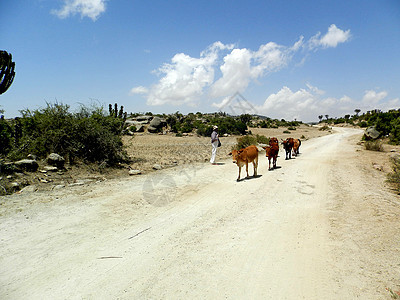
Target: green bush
(90,134)
(325,127)
(394,136)
(374,145)
(262,139)
(394,176)
(245,141)
(5,136)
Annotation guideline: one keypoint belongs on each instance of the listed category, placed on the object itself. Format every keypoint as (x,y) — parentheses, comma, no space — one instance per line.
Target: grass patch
(374,146)
(262,139)
(325,127)
(245,141)
(394,176)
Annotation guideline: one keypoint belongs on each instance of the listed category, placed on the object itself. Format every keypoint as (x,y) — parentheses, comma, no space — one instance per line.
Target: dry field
(169,150)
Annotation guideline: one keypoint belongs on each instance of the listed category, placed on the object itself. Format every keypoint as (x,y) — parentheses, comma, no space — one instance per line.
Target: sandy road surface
(196,233)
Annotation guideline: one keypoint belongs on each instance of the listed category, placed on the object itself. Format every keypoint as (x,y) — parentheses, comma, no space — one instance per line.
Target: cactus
(7,73)
(114,112)
(121,112)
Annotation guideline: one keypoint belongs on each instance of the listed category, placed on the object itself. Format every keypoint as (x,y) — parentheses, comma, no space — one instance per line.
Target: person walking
(214,144)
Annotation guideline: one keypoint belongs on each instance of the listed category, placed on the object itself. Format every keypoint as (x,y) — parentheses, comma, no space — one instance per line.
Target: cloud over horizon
(187,80)
(86,8)
(306,104)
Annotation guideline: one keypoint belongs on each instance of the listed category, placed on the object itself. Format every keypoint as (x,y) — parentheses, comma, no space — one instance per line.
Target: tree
(320,117)
(7,72)
(327,116)
(357,111)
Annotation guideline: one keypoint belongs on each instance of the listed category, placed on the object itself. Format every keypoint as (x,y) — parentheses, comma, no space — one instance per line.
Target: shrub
(204,130)
(245,141)
(394,176)
(374,145)
(292,128)
(394,136)
(5,136)
(325,127)
(90,134)
(262,139)
(286,131)
(363,124)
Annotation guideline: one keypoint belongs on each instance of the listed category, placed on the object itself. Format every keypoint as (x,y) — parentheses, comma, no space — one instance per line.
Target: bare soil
(324,225)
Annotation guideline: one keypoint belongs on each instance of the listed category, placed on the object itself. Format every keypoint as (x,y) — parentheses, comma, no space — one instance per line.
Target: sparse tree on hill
(320,117)
(357,111)
(327,117)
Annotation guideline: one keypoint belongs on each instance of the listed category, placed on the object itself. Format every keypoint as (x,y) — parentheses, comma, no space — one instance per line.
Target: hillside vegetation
(387,123)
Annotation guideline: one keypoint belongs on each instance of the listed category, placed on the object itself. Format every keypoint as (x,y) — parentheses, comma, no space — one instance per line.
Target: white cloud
(332,38)
(376,100)
(241,66)
(86,8)
(186,80)
(372,98)
(141,90)
(185,77)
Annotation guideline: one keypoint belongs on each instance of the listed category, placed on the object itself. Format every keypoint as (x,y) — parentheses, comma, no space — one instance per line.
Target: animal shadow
(276,168)
(249,178)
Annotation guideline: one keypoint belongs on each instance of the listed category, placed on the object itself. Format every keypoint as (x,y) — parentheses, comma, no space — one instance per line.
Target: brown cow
(296,146)
(271,152)
(288,146)
(244,157)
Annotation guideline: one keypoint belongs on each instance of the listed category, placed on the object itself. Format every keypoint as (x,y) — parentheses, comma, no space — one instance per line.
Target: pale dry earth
(322,226)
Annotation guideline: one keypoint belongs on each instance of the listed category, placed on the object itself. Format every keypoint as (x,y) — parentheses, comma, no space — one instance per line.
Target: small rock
(32,156)
(377,167)
(135,172)
(57,160)
(79,183)
(50,169)
(152,129)
(58,187)
(157,167)
(29,189)
(27,164)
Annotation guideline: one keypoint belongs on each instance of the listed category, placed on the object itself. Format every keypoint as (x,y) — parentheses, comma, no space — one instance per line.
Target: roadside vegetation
(374,145)
(394,176)
(386,123)
(90,134)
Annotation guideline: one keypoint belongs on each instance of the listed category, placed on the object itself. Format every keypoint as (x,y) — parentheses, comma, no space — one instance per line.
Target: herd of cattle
(250,154)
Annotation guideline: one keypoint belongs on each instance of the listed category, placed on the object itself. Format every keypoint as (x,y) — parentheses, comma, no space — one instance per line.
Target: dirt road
(315,228)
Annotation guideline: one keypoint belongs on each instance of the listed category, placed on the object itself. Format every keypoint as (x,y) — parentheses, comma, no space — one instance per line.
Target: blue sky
(283,59)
